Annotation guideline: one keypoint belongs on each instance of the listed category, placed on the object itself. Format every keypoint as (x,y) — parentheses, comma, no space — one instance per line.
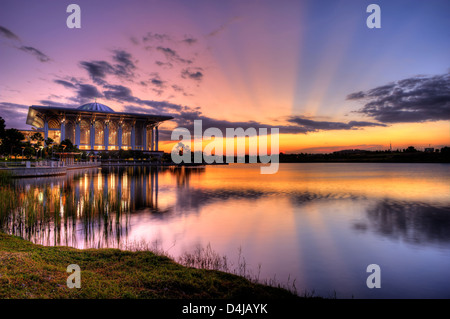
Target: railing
(44,163)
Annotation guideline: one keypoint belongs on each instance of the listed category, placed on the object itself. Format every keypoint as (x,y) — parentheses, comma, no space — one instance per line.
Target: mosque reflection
(93,207)
(99,207)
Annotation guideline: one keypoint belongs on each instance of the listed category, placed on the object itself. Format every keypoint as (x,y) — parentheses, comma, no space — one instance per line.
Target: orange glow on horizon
(401,135)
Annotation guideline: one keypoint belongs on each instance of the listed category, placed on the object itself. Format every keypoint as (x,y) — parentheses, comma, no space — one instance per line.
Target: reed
(34,212)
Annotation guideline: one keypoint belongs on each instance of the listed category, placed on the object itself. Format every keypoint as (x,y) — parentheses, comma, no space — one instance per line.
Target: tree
(67,146)
(49,141)
(2,128)
(12,142)
(410,149)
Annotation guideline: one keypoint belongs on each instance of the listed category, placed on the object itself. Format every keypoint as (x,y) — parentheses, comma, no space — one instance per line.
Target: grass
(34,271)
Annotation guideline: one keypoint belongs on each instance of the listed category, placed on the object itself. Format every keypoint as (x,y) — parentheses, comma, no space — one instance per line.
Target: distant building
(96,127)
(429,149)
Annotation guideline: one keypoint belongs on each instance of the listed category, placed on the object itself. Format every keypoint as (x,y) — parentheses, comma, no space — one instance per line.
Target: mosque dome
(96,107)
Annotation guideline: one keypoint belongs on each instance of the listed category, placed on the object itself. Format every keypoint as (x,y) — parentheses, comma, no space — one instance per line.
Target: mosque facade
(96,127)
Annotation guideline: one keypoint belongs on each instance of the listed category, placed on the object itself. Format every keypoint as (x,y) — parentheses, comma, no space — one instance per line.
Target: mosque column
(133,135)
(45,128)
(63,129)
(152,140)
(119,136)
(106,135)
(144,138)
(77,133)
(157,138)
(92,134)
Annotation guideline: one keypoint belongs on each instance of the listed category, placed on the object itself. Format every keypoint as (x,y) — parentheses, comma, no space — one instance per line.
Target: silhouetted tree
(12,142)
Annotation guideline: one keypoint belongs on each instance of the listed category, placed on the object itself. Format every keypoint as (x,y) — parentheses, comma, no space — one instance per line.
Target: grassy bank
(34,271)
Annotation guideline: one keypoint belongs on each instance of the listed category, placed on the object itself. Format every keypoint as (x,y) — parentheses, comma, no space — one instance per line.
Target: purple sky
(308,67)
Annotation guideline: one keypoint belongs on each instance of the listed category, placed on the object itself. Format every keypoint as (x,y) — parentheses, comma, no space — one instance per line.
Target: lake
(320,224)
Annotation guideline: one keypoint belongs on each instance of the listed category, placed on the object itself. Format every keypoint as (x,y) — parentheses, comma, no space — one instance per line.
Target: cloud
(312,125)
(189,41)
(125,66)
(98,70)
(295,124)
(179,89)
(172,55)
(8,34)
(84,92)
(58,104)
(222,27)
(163,107)
(33,51)
(415,99)
(122,94)
(15,115)
(119,93)
(65,84)
(331,149)
(192,73)
(166,65)
(155,80)
(87,91)
(149,37)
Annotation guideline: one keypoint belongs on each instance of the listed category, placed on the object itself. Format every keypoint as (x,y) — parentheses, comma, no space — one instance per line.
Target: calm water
(320,224)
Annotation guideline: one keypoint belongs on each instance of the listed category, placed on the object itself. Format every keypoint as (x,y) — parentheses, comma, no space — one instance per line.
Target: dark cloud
(312,125)
(87,91)
(295,124)
(137,109)
(84,92)
(172,55)
(15,115)
(185,118)
(8,33)
(415,99)
(166,65)
(189,41)
(65,84)
(162,107)
(98,70)
(119,93)
(33,51)
(179,89)
(192,73)
(123,94)
(155,80)
(149,37)
(124,66)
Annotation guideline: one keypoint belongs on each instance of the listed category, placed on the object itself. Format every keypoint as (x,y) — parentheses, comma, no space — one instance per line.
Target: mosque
(96,127)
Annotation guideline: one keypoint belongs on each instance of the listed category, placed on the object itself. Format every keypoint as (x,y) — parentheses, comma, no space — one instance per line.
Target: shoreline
(29,270)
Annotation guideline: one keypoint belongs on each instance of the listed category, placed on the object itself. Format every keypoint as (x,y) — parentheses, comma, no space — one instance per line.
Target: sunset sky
(311,68)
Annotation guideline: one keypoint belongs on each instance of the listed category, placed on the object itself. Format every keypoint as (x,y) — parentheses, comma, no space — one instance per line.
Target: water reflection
(187,190)
(412,222)
(318,223)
